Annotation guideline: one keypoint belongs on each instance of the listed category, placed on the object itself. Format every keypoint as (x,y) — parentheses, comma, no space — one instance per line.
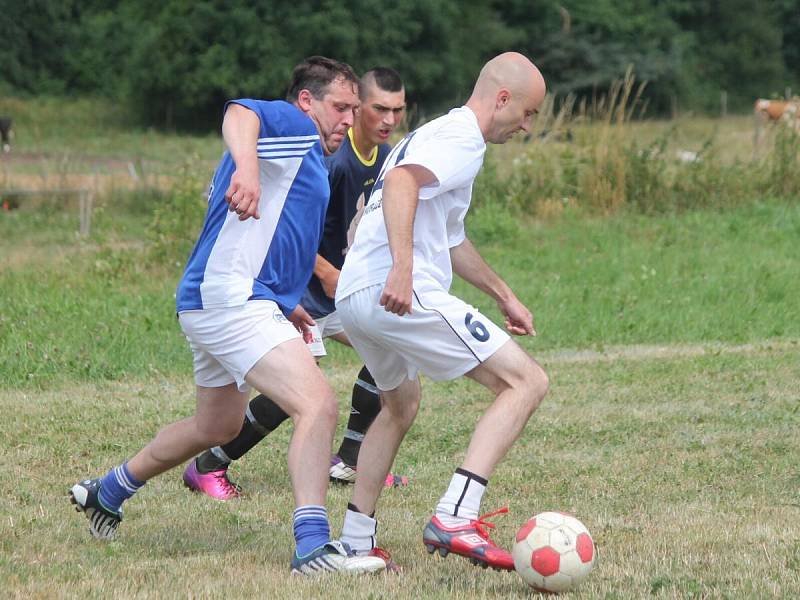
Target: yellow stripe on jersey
(367,162)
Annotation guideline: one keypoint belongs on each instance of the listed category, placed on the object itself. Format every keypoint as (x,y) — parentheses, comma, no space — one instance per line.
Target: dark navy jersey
(351,178)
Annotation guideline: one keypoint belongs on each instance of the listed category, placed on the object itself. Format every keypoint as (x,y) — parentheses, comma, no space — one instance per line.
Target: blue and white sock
(311,528)
(117,486)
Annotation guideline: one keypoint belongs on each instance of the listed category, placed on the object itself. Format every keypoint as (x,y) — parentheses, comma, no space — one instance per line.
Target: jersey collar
(367,162)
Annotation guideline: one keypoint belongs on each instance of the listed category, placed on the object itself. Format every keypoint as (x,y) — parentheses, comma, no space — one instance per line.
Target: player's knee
(330,409)
(403,408)
(405,412)
(323,409)
(220,432)
(536,384)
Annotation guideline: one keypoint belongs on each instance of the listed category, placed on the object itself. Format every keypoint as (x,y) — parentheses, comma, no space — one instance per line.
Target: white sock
(461,502)
(359,531)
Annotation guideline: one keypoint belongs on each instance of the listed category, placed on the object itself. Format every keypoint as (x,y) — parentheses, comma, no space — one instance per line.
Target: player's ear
(304,99)
(503,98)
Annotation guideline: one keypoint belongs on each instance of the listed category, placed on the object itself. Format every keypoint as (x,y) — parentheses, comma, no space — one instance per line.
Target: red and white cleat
(471,540)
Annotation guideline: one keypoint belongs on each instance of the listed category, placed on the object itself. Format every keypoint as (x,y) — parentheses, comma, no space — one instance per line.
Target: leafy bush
(177,218)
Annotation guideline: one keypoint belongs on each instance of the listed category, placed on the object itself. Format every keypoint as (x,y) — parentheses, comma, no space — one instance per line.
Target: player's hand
(518,319)
(244,193)
(329,283)
(396,296)
(302,321)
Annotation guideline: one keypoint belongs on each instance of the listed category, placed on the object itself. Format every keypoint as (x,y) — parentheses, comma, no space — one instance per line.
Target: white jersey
(452,148)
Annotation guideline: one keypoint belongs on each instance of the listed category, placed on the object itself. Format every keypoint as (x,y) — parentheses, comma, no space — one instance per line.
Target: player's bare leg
(218,409)
(344,463)
(217,420)
(382,441)
(302,391)
(520,384)
(378,451)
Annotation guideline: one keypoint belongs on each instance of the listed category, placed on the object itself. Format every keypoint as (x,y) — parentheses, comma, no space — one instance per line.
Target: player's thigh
(509,367)
(288,374)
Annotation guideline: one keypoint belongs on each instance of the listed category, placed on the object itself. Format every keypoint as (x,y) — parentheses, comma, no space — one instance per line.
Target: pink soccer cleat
(214,484)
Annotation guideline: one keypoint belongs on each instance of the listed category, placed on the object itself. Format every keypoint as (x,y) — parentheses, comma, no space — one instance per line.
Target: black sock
(208,461)
(366,405)
(263,416)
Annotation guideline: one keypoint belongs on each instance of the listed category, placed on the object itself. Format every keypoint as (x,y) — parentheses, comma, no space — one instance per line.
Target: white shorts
(227,342)
(443,337)
(326,327)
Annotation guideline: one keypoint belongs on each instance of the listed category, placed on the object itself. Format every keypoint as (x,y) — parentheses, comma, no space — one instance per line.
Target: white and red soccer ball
(554,552)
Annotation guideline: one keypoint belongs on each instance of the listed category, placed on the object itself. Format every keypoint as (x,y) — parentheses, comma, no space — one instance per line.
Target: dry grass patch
(684,468)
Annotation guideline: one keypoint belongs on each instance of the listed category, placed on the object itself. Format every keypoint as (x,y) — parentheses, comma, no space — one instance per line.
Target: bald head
(507,94)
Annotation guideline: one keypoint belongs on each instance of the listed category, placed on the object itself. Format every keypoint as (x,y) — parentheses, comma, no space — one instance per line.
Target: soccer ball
(553,552)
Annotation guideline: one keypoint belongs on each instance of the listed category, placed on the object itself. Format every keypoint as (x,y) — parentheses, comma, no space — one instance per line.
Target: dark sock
(366,404)
(208,462)
(263,416)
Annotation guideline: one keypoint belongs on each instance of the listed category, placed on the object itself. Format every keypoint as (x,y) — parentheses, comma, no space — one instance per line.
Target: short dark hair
(384,78)
(315,74)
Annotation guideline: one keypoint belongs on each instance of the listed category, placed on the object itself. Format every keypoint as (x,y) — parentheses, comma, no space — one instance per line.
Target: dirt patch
(41,172)
(646,352)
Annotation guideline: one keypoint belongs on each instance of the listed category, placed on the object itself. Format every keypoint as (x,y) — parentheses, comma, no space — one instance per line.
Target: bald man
(394,301)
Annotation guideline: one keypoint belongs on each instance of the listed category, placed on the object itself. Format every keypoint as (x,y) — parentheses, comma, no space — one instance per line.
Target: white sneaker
(336,556)
(341,472)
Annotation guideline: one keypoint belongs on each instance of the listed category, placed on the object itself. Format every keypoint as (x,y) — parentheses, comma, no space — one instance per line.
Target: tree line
(172,63)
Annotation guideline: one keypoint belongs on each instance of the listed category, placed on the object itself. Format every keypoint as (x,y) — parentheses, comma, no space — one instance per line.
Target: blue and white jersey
(270,258)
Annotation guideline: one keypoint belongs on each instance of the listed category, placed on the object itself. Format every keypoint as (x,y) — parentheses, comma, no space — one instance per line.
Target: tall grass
(595,158)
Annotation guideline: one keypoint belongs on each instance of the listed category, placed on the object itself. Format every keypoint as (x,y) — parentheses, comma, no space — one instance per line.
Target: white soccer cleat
(336,556)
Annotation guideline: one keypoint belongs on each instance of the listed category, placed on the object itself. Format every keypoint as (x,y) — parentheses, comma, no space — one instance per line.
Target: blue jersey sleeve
(265,111)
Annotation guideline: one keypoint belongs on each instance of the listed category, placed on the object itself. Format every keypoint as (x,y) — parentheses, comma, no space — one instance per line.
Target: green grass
(683,467)
(695,276)
(77,310)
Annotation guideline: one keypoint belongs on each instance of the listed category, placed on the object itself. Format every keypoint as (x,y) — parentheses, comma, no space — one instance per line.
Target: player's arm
(327,274)
(400,197)
(470,266)
(240,129)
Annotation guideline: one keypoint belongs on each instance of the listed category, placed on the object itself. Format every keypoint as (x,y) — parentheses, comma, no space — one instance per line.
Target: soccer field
(672,341)
(681,460)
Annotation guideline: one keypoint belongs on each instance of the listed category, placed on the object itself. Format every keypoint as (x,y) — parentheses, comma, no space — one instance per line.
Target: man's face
(514,112)
(334,113)
(381,113)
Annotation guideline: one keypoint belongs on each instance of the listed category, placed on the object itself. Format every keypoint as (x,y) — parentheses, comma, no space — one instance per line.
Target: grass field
(672,341)
(681,460)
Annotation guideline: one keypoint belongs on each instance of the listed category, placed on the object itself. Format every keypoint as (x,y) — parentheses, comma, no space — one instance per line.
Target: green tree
(34,35)
(737,48)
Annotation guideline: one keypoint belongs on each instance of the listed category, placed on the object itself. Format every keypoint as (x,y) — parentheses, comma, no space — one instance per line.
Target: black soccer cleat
(103,523)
